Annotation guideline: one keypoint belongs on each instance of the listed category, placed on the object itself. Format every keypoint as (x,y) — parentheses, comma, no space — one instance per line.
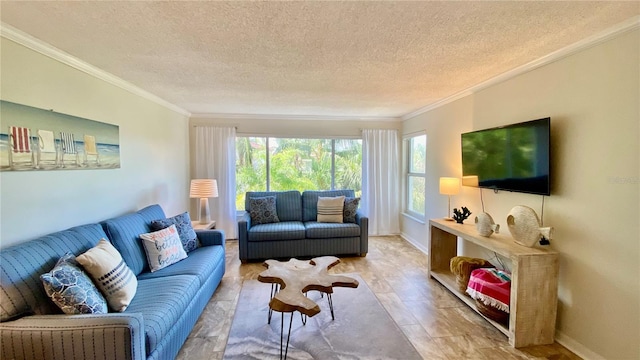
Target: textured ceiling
(310,58)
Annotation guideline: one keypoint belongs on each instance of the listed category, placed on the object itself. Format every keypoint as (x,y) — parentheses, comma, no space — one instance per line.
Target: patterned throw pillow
(71,289)
(330,209)
(350,209)
(185,230)
(163,248)
(263,210)
(109,272)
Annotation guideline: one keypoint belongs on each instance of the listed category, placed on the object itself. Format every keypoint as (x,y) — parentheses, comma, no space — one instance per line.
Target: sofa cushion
(183,225)
(71,289)
(263,210)
(124,231)
(317,230)
(350,209)
(284,230)
(163,248)
(109,272)
(151,212)
(202,262)
(310,201)
(288,203)
(162,301)
(87,237)
(21,290)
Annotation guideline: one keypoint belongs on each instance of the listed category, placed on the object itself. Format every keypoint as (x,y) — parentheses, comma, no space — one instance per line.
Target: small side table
(197,226)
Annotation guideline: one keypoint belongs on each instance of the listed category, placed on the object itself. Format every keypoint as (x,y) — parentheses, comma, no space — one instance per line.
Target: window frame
(269,139)
(409,174)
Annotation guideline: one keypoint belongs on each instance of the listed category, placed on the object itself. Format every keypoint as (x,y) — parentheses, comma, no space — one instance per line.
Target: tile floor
(438,324)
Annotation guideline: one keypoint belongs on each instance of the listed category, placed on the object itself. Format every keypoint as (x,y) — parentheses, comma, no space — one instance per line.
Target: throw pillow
(350,209)
(330,209)
(185,230)
(71,289)
(111,274)
(163,248)
(263,210)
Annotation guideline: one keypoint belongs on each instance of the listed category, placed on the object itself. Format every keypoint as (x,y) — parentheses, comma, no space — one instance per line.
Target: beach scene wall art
(33,139)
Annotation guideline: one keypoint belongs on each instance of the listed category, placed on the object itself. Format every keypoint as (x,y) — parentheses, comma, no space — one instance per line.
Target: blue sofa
(298,234)
(156,324)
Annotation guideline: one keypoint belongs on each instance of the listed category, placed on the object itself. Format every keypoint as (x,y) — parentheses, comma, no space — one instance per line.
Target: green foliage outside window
(416,195)
(251,168)
(296,164)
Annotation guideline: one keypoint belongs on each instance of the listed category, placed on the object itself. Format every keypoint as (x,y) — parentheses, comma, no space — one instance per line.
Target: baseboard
(415,243)
(576,347)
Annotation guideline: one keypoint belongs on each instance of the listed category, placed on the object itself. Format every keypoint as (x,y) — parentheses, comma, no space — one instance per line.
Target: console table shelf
(534,280)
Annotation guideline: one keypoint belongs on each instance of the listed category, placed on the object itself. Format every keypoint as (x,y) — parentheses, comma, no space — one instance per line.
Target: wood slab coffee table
(291,280)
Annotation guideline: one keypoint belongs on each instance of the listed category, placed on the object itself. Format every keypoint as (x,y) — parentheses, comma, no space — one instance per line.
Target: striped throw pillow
(111,274)
(330,209)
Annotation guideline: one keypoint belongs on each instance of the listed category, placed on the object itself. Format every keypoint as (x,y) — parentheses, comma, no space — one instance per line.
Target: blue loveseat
(165,308)
(298,234)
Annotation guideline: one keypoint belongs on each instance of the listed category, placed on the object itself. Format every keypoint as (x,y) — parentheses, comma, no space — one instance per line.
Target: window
(416,175)
(278,164)
(299,164)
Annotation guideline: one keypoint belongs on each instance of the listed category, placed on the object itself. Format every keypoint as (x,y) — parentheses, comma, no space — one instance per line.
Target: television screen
(513,157)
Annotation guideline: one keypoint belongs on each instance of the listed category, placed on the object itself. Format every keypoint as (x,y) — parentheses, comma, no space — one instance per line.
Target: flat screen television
(515,157)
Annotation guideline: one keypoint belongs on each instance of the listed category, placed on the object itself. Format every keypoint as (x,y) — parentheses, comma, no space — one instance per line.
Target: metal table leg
(330,300)
(282,336)
(274,290)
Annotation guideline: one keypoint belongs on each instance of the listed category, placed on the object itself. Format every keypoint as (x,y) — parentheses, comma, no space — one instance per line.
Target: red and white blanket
(492,287)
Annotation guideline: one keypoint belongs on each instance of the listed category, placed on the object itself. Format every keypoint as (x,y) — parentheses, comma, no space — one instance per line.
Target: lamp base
(205,216)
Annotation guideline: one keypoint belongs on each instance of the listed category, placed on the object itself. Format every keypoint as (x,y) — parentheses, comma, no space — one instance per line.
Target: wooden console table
(534,279)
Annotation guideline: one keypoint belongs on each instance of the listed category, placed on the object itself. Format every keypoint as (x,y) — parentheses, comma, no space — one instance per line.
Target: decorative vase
(485,225)
(525,227)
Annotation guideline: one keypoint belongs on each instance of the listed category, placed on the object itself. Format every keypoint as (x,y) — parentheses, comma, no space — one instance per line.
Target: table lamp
(470,180)
(449,186)
(204,189)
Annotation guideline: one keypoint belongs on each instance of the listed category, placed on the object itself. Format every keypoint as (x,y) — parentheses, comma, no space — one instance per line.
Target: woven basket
(462,266)
(492,313)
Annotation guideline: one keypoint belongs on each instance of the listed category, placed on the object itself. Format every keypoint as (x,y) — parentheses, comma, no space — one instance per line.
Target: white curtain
(216,159)
(380,184)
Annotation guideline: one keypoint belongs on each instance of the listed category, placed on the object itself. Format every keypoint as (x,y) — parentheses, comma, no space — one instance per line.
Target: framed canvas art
(40,140)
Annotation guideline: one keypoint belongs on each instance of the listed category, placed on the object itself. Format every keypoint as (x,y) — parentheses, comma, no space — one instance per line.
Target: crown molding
(26,40)
(39,46)
(292,117)
(613,32)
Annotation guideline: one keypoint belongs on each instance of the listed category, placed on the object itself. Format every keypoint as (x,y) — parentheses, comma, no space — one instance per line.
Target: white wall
(593,100)
(298,128)
(154,151)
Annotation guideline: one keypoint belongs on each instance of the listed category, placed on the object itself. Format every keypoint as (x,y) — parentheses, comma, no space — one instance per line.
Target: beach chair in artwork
(20,147)
(47,149)
(91,149)
(68,149)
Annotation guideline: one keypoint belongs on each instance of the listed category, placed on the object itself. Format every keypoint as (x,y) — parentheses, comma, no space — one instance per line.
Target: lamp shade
(471,180)
(449,185)
(203,188)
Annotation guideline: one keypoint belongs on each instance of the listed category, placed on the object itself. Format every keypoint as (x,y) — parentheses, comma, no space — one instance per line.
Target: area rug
(362,328)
